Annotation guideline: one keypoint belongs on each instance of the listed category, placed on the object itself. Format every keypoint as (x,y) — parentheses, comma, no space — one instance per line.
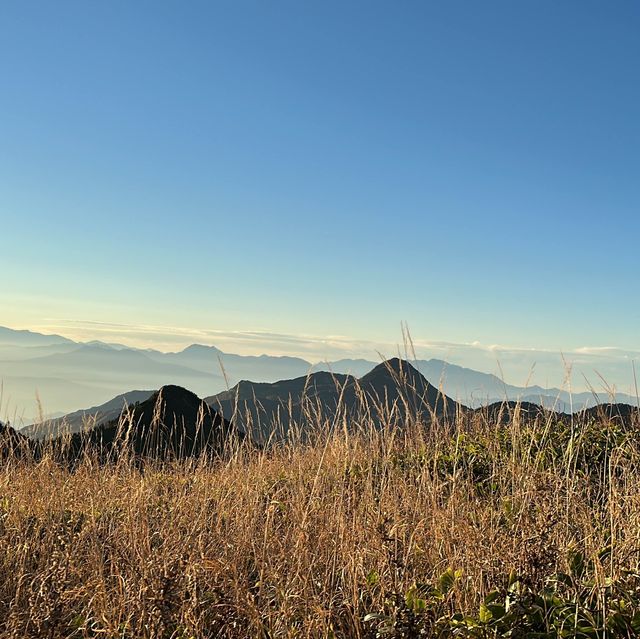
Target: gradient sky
(323,168)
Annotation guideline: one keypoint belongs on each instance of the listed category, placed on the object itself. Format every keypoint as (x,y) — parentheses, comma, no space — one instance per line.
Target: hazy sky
(322,169)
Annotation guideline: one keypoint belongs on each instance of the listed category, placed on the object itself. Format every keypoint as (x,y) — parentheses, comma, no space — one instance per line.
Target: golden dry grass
(305,540)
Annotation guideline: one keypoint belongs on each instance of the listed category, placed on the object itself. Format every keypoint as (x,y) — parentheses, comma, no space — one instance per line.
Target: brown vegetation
(333,537)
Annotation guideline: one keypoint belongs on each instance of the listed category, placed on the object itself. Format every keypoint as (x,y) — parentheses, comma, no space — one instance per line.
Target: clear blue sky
(324,168)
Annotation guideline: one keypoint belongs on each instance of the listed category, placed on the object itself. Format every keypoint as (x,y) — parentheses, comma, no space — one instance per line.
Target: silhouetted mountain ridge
(397,380)
(67,375)
(268,411)
(90,417)
(173,423)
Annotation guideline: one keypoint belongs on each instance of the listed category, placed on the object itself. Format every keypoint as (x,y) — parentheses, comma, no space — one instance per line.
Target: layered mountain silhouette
(80,420)
(66,375)
(173,423)
(393,392)
(209,359)
(13,337)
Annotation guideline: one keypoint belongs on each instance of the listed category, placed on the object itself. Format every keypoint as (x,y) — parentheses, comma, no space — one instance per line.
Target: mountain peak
(197,349)
(172,392)
(172,423)
(394,366)
(397,378)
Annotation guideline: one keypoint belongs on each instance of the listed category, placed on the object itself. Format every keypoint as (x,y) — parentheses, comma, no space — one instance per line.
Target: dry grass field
(480,526)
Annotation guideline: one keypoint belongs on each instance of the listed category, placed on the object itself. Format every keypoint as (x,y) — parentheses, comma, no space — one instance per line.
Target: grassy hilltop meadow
(392,512)
(319,320)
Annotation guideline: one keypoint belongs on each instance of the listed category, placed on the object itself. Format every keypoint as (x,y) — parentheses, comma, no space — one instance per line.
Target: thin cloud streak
(517,365)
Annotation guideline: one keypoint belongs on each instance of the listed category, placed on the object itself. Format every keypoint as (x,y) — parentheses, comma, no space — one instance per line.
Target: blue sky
(322,169)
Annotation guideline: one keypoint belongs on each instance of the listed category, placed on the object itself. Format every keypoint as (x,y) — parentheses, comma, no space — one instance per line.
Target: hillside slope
(173,423)
(272,411)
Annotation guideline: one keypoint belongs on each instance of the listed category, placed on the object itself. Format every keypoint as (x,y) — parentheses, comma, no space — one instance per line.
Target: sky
(322,171)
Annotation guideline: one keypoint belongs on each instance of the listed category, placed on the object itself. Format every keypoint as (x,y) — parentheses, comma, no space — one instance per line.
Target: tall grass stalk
(307,538)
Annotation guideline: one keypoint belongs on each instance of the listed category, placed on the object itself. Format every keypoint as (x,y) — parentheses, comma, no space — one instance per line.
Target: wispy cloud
(517,364)
(244,342)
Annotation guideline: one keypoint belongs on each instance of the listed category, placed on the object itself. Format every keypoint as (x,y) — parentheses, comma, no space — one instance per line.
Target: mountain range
(54,375)
(174,422)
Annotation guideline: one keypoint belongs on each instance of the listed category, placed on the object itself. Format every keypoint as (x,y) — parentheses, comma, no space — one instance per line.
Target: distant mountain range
(12,337)
(87,418)
(66,375)
(174,422)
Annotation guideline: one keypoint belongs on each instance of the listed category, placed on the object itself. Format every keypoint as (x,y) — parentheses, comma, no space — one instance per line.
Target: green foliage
(572,604)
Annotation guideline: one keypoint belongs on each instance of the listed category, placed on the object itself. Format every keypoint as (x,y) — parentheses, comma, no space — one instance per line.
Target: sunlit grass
(309,539)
